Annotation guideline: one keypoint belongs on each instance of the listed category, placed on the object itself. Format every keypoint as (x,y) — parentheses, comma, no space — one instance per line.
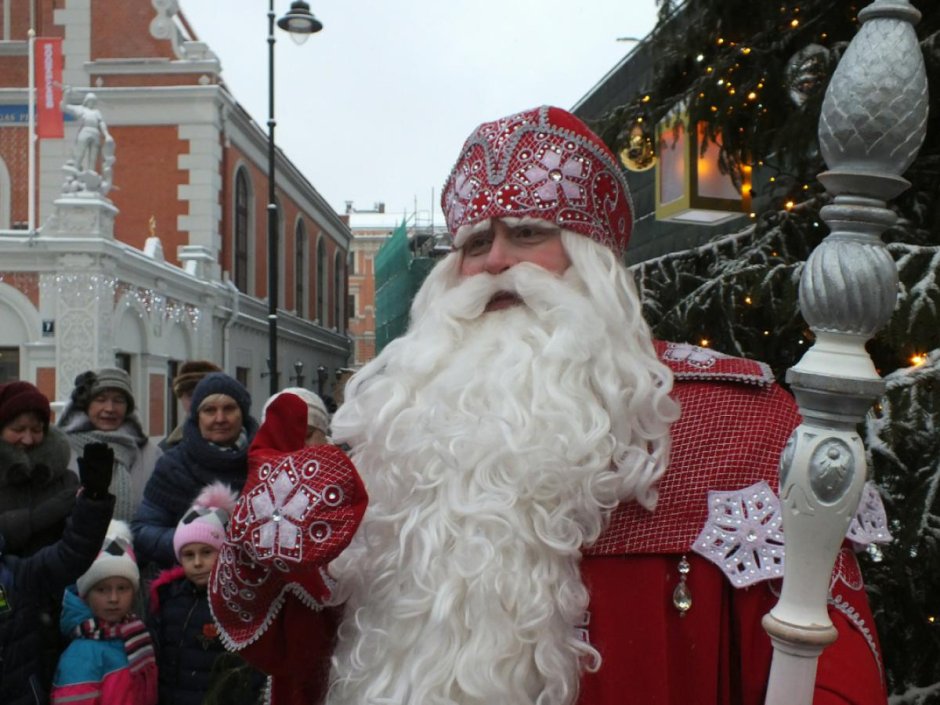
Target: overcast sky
(376,106)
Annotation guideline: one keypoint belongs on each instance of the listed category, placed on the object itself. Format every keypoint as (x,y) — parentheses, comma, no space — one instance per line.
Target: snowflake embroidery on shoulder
(870,523)
(692,355)
(743,535)
(277,508)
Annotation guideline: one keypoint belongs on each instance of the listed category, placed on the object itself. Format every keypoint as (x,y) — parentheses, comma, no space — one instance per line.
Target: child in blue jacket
(110,660)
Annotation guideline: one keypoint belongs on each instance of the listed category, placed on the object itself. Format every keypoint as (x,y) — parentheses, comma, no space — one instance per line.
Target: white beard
(490,461)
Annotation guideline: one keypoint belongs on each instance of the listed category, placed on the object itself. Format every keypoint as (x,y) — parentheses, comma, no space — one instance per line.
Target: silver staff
(872,125)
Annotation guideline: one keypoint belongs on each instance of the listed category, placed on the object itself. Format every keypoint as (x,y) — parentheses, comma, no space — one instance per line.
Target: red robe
(734,423)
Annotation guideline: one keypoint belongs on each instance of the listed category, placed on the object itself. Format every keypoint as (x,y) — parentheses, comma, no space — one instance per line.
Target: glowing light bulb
(918,359)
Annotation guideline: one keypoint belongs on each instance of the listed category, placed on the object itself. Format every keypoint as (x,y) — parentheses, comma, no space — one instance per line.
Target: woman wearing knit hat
(214,447)
(110,660)
(101,410)
(187,639)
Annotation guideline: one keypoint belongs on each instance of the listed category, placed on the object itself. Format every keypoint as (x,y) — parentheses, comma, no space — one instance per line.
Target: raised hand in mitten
(94,469)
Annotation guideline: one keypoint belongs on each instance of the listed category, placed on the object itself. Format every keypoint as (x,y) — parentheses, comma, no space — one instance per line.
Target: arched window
(300,269)
(339,292)
(322,301)
(240,239)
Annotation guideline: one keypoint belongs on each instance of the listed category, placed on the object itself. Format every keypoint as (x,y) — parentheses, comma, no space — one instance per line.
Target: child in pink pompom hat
(189,645)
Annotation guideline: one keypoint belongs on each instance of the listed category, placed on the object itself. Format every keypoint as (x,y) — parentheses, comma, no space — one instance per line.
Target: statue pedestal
(82,215)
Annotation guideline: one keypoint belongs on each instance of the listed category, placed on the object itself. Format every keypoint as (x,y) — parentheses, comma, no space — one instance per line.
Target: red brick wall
(134,39)
(26,283)
(13,146)
(45,380)
(157,402)
(177,79)
(146,179)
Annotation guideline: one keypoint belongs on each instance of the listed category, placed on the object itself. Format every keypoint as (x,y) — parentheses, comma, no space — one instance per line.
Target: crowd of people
(507,507)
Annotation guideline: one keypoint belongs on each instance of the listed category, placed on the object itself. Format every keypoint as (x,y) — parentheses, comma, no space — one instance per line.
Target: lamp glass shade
(673,163)
(690,186)
(300,22)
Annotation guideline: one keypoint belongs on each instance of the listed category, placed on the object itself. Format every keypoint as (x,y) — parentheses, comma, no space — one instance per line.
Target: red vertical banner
(49,120)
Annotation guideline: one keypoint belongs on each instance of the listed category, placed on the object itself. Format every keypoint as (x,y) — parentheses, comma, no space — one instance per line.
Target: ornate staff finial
(872,125)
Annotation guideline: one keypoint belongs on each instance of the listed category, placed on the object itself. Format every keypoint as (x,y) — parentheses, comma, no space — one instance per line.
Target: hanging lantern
(690,187)
(639,154)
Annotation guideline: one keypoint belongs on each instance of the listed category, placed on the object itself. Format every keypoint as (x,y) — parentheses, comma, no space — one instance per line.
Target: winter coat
(37,492)
(188,644)
(97,671)
(178,478)
(29,583)
(134,456)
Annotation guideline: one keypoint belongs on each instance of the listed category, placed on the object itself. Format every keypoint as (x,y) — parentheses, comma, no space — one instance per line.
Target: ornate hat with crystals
(542,163)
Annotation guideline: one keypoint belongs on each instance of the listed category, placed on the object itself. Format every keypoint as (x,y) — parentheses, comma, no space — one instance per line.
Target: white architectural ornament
(198,262)
(163,26)
(82,172)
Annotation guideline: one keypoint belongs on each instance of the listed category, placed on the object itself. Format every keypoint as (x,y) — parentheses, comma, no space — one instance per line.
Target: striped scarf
(137,643)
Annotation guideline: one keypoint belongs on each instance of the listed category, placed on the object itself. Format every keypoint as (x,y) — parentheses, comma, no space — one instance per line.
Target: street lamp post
(300,23)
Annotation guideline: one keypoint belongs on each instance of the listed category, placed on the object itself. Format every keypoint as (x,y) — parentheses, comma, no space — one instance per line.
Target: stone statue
(92,140)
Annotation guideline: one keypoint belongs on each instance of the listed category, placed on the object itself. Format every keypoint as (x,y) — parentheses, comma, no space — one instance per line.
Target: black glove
(94,469)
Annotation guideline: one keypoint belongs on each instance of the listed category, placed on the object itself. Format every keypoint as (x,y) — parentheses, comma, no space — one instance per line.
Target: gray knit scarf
(124,441)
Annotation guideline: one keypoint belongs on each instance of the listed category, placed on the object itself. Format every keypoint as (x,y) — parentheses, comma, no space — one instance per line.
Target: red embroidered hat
(542,163)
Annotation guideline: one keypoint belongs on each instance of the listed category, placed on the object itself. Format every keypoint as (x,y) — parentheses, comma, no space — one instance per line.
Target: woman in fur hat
(101,410)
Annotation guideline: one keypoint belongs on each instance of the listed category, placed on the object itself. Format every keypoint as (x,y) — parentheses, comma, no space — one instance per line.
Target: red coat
(734,423)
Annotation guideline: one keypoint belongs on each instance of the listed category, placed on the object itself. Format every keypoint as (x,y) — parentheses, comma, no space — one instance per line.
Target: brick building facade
(172,263)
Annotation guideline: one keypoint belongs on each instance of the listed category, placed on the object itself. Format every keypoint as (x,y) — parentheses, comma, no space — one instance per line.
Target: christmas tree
(755,75)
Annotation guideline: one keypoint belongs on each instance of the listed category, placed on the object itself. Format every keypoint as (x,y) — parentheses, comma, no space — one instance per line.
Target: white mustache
(534,286)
